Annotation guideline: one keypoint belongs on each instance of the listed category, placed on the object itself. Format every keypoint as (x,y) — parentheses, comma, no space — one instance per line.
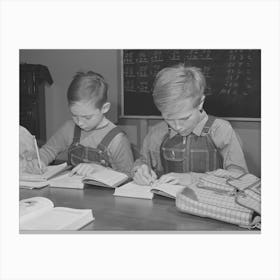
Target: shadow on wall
(253,167)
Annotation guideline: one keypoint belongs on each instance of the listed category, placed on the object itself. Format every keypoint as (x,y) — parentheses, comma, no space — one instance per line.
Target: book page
(108,176)
(134,190)
(66,181)
(31,177)
(33,184)
(51,171)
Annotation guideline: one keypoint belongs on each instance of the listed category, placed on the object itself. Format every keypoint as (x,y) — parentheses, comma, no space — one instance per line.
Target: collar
(199,127)
(103,124)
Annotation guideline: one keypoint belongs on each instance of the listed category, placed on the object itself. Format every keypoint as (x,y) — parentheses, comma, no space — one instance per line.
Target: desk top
(114,213)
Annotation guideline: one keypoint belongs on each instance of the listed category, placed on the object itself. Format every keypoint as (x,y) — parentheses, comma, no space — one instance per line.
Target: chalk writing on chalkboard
(233,80)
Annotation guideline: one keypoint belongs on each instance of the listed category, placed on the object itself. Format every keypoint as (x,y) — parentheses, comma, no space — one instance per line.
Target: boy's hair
(88,86)
(177,83)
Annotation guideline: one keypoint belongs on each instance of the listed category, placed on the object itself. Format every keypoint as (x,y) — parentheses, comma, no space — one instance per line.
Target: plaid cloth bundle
(225,196)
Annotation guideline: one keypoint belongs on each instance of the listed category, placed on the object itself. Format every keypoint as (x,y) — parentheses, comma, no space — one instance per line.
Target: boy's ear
(200,106)
(106,107)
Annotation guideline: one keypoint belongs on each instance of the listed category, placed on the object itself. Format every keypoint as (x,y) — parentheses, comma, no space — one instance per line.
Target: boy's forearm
(56,144)
(121,154)
(47,156)
(51,149)
(234,156)
(237,168)
(140,161)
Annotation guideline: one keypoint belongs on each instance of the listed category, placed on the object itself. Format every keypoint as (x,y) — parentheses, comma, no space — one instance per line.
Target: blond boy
(188,141)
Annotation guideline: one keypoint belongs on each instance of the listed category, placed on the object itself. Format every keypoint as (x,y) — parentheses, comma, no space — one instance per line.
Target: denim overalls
(194,153)
(78,153)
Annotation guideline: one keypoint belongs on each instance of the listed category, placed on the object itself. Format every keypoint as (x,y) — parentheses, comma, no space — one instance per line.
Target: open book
(104,177)
(168,190)
(137,191)
(28,180)
(133,190)
(39,213)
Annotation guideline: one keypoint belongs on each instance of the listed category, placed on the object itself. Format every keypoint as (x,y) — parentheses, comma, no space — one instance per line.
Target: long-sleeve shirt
(221,133)
(119,150)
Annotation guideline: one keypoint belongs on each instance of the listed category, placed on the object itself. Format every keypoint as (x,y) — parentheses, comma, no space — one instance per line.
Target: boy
(188,141)
(90,138)
(26,150)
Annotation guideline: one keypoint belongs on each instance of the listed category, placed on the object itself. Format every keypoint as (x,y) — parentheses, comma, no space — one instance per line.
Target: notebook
(105,177)
(138,191)
(134,190)
(28,180)
(39,213)
(66,181)
(167,190)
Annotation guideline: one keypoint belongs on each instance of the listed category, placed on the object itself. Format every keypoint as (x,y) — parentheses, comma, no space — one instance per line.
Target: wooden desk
(128,214)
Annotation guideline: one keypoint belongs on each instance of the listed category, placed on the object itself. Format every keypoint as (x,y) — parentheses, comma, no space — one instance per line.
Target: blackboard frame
(157,117)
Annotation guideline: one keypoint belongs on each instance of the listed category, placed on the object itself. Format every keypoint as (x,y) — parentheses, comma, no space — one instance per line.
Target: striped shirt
(221,133)
(119,150)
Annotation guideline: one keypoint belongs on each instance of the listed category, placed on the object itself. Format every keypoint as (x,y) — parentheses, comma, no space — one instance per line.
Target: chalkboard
(233,80)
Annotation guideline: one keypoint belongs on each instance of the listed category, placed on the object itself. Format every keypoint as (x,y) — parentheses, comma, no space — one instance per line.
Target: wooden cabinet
(33,78)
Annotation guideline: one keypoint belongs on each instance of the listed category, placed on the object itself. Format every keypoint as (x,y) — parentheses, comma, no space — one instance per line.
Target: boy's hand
(32,166)
(144,176)
(176,179)
(84,169)
(26,141)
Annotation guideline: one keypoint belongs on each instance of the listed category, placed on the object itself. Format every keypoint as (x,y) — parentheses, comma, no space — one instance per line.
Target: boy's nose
(177,125)
(80,121)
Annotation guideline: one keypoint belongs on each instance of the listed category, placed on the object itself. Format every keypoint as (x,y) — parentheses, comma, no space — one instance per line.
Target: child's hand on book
(32,166)
(176,179)
(84,169)
(26,142)
(144,175)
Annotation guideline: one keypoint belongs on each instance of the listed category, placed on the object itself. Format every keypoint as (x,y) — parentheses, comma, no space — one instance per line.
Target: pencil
(37,152)
(150,169)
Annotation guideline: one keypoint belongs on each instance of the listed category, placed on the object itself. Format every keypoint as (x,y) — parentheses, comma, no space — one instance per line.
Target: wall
(250,135)
(64,63)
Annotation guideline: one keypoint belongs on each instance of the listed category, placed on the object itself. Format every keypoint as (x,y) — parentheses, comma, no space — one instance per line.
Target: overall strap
(108,138)
(75,141)
(208,124)
(166,135)
(206,128)
(77,134)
